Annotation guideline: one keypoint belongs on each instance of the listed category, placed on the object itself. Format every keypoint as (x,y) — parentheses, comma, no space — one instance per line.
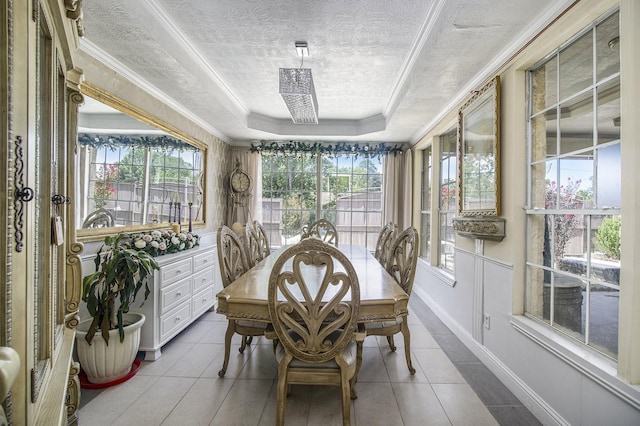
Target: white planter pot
(104,363)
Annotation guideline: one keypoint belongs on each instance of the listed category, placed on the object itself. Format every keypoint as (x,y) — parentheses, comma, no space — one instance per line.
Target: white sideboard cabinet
(181,291)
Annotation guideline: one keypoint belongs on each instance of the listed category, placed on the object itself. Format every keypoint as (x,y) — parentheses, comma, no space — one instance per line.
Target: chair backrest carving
(322,229)
(386,237)
(263,240)
(231,255)
(101,218)
(252,245)
(314,298)
(403,257)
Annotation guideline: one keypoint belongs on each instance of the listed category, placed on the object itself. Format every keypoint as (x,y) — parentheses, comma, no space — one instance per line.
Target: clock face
(240,182)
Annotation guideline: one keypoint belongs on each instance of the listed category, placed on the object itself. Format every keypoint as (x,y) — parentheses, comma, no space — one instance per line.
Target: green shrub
(608,237)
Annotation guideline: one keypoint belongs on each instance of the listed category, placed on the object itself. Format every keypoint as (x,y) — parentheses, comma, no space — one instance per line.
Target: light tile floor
(182,387)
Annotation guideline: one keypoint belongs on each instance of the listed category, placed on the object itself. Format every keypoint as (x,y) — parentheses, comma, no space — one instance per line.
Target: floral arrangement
(157,243)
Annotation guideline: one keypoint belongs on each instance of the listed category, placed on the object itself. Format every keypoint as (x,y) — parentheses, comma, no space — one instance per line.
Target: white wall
(560,382)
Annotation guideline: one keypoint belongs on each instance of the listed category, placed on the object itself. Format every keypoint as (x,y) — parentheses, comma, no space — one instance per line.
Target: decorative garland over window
(113,142)
(297,148)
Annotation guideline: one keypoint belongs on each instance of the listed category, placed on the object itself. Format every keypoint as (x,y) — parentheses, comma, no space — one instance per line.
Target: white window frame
(370,220)
(446,213)
(534,212)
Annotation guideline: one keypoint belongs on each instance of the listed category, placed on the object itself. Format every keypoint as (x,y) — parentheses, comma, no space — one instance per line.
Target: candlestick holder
(170,210)
(190,225)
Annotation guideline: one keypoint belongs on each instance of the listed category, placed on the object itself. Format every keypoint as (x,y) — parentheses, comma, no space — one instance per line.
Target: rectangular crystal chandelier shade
(298,93)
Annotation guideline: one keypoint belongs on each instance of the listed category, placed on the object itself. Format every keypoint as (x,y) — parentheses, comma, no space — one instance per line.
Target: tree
(164,167)
(564,226)
(608,237)
(103,188)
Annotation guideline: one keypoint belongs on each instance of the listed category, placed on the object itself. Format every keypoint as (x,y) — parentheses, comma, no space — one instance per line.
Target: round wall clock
(240,181)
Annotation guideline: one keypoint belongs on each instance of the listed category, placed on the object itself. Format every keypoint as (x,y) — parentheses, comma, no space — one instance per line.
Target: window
(573,219)
(425,204)
(298,190)
(448,199)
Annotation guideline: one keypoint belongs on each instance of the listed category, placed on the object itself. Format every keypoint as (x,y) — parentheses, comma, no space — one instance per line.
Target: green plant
(121,270)
(608,237)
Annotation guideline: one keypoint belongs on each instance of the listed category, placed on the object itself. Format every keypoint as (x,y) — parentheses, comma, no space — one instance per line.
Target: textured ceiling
(384,70)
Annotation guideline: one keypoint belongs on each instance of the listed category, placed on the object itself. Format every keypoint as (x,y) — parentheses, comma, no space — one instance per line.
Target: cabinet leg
(152,355)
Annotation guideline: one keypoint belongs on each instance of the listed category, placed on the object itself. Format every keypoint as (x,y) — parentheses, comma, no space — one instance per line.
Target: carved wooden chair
(101,218)
(322,229)
(252,245)
(263,240)
(233,263)
(386,237)
(314,298)
(401,265)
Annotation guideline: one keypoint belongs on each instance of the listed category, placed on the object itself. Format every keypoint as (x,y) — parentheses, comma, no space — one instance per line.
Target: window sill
(439,273)
(588,362)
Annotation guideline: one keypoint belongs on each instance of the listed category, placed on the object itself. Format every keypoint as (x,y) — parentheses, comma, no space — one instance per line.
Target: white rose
(155,244)
(182,236)
(175,240)
(140,244)
(156,234)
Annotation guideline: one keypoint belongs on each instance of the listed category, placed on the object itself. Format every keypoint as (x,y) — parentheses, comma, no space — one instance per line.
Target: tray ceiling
(384,71)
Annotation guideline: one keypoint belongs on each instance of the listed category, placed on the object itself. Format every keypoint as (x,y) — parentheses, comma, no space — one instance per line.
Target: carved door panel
(38,316)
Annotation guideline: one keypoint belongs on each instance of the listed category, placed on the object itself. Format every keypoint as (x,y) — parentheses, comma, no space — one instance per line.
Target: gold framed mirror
(133,171)
(479,152)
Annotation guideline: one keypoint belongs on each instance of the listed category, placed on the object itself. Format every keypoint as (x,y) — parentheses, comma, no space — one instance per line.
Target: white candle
(186,184)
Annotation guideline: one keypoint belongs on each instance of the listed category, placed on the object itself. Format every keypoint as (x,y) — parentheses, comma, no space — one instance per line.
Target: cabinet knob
(204,300)
(178,272)
(178,318)
(178,294)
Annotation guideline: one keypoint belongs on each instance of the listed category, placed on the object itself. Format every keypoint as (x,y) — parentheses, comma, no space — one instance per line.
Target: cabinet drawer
(175,320)
(203,260)
(202,301)
(176,271)
(203,279)
(174,294)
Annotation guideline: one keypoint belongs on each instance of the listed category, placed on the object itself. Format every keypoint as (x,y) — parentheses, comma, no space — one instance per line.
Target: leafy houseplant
(121,270)
(608,237)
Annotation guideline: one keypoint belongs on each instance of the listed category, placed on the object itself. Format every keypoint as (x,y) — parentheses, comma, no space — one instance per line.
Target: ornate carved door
(40,295)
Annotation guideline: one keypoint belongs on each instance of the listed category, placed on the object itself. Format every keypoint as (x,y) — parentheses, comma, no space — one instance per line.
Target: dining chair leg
(354,379)
(407,344)
(282,390)
(245,342)
(346,399)
(231,329)
(392,345)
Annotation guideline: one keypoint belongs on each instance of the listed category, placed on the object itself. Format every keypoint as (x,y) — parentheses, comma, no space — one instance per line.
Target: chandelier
(298,92)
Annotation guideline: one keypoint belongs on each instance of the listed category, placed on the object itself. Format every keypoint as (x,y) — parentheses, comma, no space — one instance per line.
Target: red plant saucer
(84,382)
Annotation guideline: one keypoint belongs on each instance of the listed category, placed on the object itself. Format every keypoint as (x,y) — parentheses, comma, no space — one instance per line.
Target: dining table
(381,298)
